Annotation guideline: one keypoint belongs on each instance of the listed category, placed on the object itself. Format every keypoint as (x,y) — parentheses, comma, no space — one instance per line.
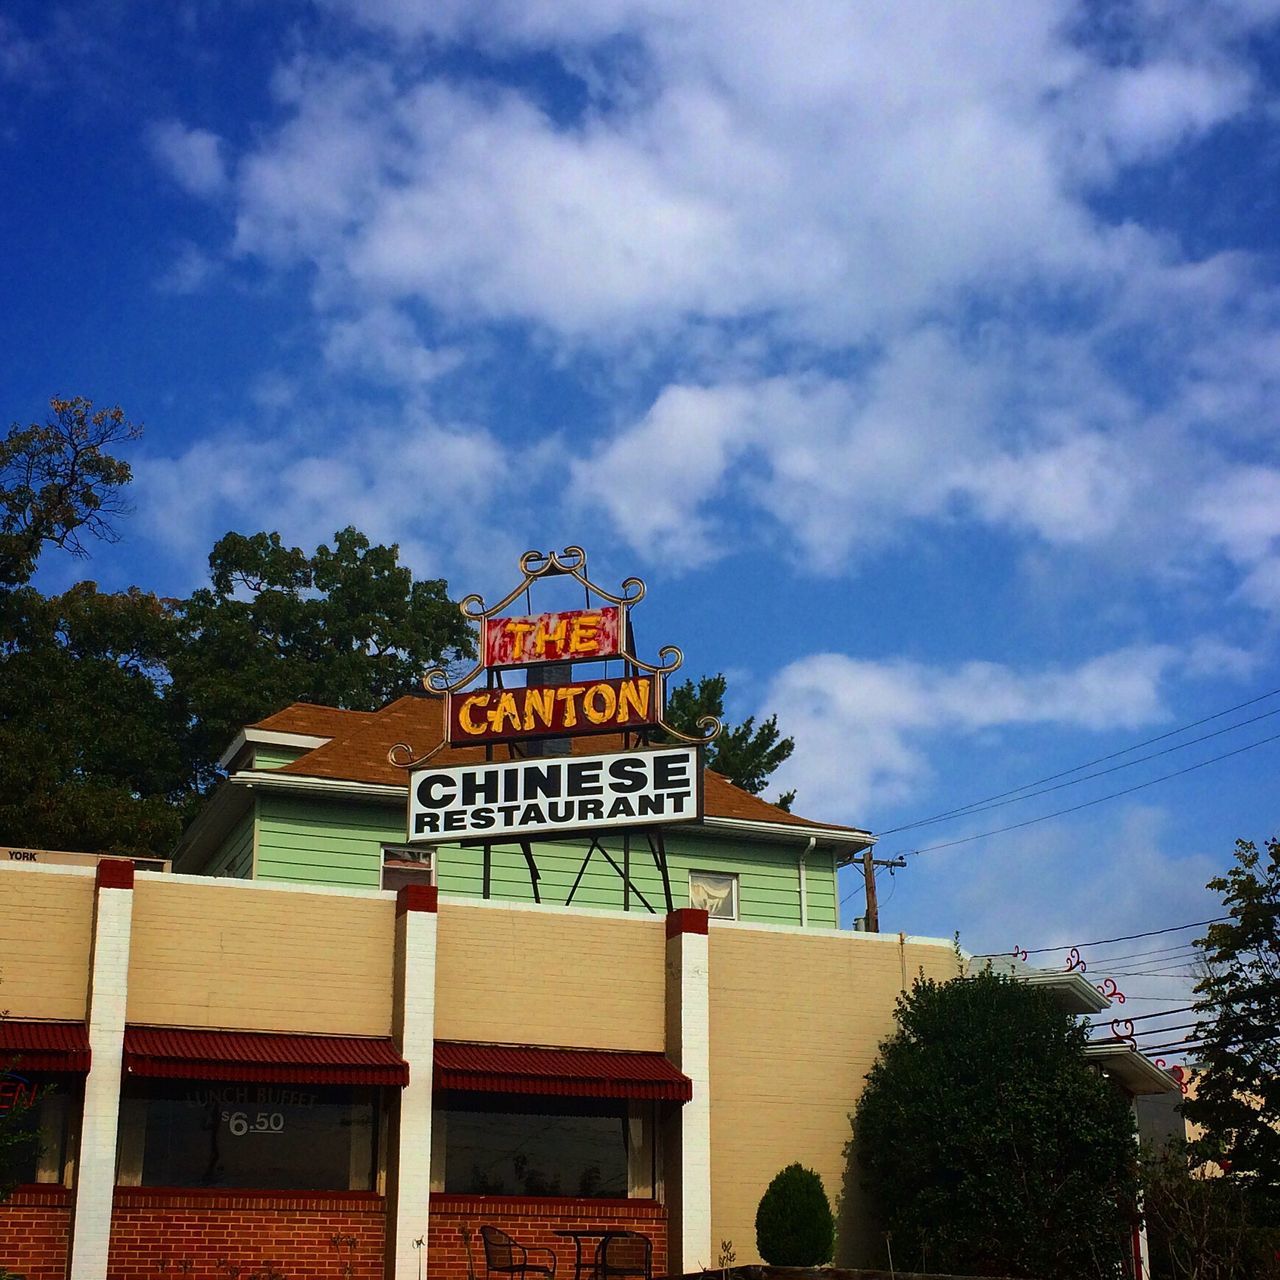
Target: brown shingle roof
(313,719)
(359,742)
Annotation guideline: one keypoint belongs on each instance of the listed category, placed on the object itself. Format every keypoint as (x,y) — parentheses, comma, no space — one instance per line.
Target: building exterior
(319,1047)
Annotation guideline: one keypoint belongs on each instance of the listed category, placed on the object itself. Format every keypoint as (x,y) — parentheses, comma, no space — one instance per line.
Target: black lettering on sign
(436,790)
(584,778)
(627,774)
(670,771)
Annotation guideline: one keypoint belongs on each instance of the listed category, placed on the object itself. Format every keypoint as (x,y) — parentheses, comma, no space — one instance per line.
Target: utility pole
(869,865)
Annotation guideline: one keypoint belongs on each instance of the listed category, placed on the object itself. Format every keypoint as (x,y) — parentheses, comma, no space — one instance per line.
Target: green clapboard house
(312,798)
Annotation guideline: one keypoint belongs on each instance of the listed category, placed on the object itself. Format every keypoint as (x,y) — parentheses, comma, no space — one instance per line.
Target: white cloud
(193,158)
(382,343)
(861,726)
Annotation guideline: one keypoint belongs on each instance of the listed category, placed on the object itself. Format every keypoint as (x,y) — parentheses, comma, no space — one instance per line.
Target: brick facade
(239,1235)
(35,1228)
(534,1222)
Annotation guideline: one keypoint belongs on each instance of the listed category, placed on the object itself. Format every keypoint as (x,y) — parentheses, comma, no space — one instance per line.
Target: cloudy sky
(922,357)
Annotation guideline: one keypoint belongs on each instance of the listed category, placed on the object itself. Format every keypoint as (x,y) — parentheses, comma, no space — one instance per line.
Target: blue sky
(921,357)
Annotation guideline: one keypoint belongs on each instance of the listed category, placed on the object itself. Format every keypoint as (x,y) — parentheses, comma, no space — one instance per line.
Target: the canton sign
(539,711)
(527,797)
(574,636)
(540,677)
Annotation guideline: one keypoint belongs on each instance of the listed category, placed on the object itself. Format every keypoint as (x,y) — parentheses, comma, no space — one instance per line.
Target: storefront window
(41,1104)
(213,1133)
(512,1145)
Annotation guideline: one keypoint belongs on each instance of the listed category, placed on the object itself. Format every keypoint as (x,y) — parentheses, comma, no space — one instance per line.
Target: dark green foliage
(346,626)
(744,754)
(986,1142)
(794,1223)
(114,708)
(1237,1098)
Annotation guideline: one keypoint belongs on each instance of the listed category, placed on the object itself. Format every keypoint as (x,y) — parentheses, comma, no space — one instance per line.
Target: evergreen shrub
(794,1223)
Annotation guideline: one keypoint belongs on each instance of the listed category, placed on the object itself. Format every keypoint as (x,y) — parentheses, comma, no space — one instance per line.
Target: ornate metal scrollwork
(1107,987)
(1123,1031)
(1074,963)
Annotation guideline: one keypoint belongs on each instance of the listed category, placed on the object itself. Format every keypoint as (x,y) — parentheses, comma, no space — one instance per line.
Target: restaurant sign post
(541,791)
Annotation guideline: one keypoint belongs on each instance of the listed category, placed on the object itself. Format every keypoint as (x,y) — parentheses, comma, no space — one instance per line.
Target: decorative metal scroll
(572,563)
(1074,963)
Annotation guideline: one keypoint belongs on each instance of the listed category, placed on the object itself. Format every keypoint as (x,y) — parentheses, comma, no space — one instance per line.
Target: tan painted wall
(795,1025)
(46,930)
(529,977)
(250,959)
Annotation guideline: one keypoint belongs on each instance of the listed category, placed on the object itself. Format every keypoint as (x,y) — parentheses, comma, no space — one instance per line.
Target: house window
(519,1145)
(218,1133)
(402,865)
(714,892)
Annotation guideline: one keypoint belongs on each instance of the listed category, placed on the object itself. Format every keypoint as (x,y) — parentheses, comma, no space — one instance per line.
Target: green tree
(794,1223)
(94,745)
(1237,1096)
(746,754)
(346,626)
(988,1145)
(58,481)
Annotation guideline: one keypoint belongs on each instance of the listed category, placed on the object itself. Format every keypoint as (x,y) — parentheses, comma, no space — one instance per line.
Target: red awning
(573,1073)
(44,1046)
(185,1054)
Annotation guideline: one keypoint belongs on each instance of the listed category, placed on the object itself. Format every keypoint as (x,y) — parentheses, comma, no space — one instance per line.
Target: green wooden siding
(275,757)
(235,858)
(340,843)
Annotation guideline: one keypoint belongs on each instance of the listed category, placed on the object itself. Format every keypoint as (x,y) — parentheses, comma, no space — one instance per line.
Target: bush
(794,1223)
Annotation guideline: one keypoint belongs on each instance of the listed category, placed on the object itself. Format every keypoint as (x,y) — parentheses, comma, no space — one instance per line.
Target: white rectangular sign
(497,801)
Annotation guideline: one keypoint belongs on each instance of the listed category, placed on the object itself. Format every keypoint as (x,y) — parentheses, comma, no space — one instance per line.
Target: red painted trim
(417,897)
(569,1204)
(686,920)
(267,1199)
(114,873)
(44,1194)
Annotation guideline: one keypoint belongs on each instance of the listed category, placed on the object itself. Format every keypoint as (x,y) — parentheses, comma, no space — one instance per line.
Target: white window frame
(402,856)
(734,895)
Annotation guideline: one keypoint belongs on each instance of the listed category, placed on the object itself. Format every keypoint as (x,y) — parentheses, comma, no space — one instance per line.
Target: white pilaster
(409,1195)
(108,993)
(689,1047)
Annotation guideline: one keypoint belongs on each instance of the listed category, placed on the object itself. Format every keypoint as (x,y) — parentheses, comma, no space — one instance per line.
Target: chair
(626,1253)
(507,1257)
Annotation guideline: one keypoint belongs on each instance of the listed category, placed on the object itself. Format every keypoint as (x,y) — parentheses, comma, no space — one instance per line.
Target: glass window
(715,893)
(42,1103)
(511,1145)
(212,1133)
(401,866)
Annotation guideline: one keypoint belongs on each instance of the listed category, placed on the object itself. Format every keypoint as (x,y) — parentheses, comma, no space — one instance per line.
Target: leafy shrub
(794,1223)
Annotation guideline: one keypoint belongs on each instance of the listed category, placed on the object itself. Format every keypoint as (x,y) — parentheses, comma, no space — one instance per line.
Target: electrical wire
(1102,942)
(1053,777)
(1189,948)
(1075,808)
(1145,1017)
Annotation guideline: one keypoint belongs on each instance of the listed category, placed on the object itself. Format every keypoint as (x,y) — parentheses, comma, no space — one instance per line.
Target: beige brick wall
(46,927)
(795,1025)
(517,976)
(257,959)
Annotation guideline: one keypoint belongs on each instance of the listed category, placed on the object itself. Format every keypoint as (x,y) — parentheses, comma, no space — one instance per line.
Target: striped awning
(190,1054)
(43,1046)
(572,1073)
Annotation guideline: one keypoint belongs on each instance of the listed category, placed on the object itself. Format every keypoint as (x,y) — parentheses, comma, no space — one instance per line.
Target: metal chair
(507,1257)
(625,1253)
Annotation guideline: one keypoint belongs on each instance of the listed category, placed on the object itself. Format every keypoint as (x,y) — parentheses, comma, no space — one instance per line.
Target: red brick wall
(35,1226)
(237,1235)
(534,1222)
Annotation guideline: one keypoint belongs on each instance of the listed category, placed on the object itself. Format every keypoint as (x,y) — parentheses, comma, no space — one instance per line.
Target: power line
(1102,942)
(1145,1017)
(1189,948)
(1075,808)
(980,807)
(1053,777)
